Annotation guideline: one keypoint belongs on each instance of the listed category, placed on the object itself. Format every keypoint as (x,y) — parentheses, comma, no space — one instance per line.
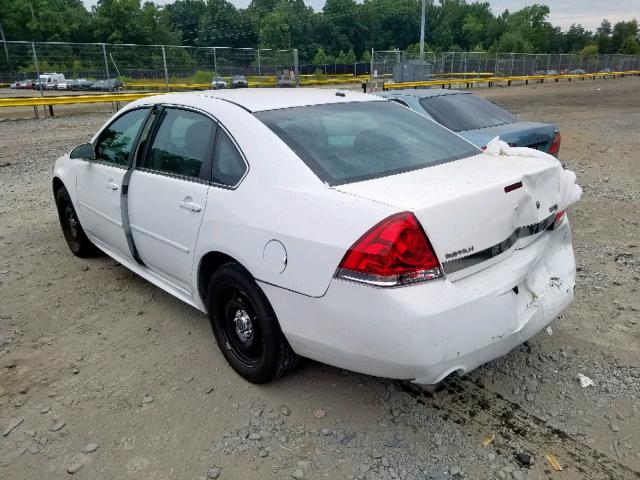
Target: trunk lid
(520,134)
(469,218)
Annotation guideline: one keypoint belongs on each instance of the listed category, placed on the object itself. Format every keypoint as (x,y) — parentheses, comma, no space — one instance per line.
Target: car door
(167,193)
(99,181)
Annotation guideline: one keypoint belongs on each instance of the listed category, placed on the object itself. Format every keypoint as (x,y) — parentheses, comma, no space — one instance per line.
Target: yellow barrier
(491,80)
(129,97)
(71,99)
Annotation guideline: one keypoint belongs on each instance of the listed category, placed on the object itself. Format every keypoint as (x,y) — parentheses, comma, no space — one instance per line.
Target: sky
(563,12)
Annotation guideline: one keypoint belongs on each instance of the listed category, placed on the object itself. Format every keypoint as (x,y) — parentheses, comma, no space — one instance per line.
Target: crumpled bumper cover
(428,331)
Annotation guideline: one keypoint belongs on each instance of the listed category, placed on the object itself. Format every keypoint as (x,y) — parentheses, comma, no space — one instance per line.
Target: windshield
(348,142)
(461,112)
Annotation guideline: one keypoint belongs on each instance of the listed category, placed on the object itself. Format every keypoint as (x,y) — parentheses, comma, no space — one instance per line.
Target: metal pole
(106,67)
(424,6)
(511,70)
(296,67)
(4,43)
(215,61)
(35,61)
(259,66)
(371,66)
(164,63)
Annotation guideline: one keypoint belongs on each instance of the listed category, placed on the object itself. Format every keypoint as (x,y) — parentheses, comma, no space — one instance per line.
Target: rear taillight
(554,149)
(394,252)
(559,219)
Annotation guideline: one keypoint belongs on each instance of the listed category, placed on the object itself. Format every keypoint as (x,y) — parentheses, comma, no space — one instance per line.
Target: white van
(50,81)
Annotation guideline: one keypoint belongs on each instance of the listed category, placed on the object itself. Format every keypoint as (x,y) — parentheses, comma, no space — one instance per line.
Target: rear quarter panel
(281,199)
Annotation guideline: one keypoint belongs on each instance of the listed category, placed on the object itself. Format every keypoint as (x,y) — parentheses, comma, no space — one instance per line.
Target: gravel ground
(102,375)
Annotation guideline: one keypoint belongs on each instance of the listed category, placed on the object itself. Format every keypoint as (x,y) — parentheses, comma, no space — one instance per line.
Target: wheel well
(57,185)
(208,265)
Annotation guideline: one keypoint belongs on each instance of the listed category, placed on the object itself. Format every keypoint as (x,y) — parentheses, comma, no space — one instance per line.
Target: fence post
(35,61)
(259,66)
(371,66)
(106,67)
(296,67)
(164,63)
(511,69)
(215,61)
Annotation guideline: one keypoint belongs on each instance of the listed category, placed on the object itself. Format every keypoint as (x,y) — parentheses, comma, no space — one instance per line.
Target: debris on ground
(584,381)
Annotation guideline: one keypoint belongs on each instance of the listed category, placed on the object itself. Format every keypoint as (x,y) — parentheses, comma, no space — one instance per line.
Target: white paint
(421,332)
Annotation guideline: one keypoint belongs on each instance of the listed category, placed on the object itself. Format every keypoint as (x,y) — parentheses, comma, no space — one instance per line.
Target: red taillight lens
(554,149)
(394,252)
(559,219)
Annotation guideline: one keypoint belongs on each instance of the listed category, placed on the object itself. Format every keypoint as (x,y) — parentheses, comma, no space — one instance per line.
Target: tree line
(344,31)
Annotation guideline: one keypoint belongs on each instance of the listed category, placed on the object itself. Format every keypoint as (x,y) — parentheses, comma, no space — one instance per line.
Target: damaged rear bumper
(428,331)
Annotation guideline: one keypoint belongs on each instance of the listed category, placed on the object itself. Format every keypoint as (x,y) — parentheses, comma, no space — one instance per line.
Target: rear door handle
(112,186)
(189,204)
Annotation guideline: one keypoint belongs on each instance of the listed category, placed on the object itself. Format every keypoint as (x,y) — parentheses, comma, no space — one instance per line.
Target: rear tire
(245,326)
(78,242)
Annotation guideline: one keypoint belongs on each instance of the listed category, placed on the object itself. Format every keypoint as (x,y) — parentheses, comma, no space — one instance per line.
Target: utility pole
(424,6)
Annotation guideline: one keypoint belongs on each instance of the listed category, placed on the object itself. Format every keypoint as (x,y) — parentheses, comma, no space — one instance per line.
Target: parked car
(25,84)
(577,71)
(477,119)
(239,81)
(218,82)
(13,85)
(64,85)
(111,85)
(332,225)
(80,84)
(551,72)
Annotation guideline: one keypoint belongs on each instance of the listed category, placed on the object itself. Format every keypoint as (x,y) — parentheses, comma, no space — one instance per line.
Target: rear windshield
(348,142)
(465,112)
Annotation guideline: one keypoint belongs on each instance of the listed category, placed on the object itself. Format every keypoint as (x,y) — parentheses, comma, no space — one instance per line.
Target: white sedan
(334,225)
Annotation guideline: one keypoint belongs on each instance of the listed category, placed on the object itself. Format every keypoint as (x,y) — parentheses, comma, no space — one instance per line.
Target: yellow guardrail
(70,99)
(490,80)
(129,97)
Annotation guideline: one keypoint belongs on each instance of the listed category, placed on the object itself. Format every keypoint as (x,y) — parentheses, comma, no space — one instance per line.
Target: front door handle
(189,204)
(112,186)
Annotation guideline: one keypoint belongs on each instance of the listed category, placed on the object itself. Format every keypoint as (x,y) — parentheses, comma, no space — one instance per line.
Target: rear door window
(462,111)
(229,166)
(182,144)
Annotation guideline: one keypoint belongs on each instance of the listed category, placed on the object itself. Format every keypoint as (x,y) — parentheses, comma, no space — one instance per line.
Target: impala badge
(462,251)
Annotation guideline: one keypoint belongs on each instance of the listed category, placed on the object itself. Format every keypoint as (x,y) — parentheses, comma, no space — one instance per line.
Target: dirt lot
(103,373)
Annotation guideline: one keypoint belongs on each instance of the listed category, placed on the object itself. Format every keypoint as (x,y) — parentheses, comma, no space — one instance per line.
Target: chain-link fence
(143,65)
(404,66)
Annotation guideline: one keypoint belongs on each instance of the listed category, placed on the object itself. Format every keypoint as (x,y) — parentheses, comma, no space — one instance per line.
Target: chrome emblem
(462,251)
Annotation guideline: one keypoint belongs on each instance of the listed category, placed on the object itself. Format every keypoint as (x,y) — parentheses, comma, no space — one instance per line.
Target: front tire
(78,242)
(245,326)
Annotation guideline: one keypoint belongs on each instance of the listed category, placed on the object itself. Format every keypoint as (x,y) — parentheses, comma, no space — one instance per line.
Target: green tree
(184,16)
(576,38)
(321,58)
(591,49)
(629,46)
(512,42)
(621,33)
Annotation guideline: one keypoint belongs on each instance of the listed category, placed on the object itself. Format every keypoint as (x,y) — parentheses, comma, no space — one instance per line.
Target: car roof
(421,92)
(262,99)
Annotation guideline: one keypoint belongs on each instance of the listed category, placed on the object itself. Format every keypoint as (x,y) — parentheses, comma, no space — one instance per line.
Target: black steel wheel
(72,230)
(245,326)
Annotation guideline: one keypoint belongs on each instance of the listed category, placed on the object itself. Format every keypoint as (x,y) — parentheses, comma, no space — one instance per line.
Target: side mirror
(84,151)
